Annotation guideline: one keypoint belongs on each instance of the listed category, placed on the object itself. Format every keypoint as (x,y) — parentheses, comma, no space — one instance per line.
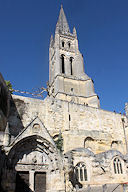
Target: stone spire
(67,79)
(62,24)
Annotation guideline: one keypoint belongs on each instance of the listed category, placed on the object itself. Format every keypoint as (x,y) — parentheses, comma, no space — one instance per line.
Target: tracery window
(117,166)
(81,172)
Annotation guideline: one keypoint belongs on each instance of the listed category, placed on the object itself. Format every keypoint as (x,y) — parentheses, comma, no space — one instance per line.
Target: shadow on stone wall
(7,174)
(3,159)
(22,184)
(74,181)
(17,109)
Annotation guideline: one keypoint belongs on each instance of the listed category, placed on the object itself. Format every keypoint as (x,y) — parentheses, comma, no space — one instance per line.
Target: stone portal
(31,160)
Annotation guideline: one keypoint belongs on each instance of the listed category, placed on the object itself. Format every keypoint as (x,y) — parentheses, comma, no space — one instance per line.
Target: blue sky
(102,28)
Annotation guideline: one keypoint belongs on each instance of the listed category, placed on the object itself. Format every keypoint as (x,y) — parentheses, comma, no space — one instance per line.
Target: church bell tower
(67,79)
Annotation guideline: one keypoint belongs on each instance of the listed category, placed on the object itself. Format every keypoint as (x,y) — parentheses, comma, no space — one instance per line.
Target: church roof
(62,24)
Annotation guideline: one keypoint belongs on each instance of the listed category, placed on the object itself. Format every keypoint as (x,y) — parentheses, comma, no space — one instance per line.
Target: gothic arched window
(71,60)
(117,166)
(81,172)
(62,43)
(62,64)
(69,45)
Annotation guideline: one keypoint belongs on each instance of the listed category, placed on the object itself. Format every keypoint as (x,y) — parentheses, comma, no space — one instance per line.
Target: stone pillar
(31,180)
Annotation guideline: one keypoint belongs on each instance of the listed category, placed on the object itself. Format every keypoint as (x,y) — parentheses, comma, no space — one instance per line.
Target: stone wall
(81,125)
(90,135)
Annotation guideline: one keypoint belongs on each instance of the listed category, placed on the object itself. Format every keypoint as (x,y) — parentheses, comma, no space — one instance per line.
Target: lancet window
(81,172)
(62,64)
(69,45)
(62,43)
(71,60)
(117,166)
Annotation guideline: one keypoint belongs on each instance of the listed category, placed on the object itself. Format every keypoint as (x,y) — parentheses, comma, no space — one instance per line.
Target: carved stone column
(31,180)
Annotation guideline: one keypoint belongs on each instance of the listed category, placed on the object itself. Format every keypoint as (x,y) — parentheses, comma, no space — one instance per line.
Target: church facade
(66,142)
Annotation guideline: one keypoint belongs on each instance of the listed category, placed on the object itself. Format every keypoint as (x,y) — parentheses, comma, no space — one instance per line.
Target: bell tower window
(69,45)
(62,64)
(71,60)
(62,43)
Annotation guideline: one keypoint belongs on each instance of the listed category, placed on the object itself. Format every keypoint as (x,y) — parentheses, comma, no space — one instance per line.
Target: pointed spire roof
(62,24)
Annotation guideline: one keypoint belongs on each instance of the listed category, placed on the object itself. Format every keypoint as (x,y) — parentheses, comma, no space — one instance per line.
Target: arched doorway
(31,160)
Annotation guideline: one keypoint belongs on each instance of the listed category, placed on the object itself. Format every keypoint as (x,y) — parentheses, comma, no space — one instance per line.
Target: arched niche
(33,150)
(88,142)
(116,144)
